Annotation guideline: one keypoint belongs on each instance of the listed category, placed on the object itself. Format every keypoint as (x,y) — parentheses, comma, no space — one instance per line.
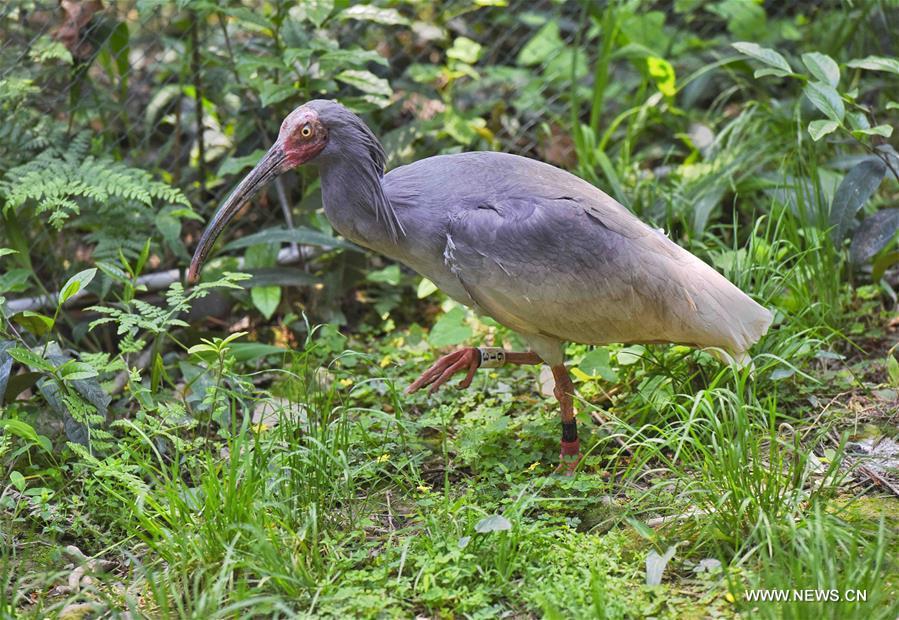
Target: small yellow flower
(383,458)
(260,428)
(729,597)
(385,361)
(346,382)
(533,465)
(424,488)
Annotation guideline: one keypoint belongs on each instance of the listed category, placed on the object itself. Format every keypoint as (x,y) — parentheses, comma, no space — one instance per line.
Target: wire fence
(186,89)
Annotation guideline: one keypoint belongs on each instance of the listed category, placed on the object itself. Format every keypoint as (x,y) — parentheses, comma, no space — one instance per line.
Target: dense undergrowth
(243,448)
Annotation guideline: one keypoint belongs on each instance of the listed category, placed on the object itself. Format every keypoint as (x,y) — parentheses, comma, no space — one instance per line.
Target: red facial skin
(300,148)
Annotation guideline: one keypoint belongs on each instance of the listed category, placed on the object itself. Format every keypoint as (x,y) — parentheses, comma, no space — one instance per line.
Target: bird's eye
(306,131)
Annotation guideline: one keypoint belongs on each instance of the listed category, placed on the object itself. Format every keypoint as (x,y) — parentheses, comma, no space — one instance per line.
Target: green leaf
(76,371)
(36,323)
(233,165)
(464,50)
(820,128)
(30,359)
(826,99)
(271,92)
(449,329)
(873,235)
(769,71)
(334,60)
(18,480)
(248,352)
(493,523)
(248,16)
(425,288)
(893,370)
(368,13)
(545,44)
(387,275)
(315,11)
(879,130)
(366,81)
(7,251)
(26,431)
(853,192)
(875,63)
(302,235)
(763,54)
(822,67)
(266,299)
(76,283)
(596,363)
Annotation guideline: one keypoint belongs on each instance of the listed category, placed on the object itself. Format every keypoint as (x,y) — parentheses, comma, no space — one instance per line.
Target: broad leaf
(233,165)
(362,12)
(450,328)
(30,359)
(545,44)
(366,81)
(763,54)
(879,130)
(425,288)
(286,275)
(854,191)
(464,50)
(266,299)
(388,275)
(493,523)
(301,235)
(826,99)
(596,363)
(876,63)
(27,432)
(76,283)
(820,128)
(246,352)
(873,235)
(315,11)
(822,67)
(655,565)
(75,371)
(36,323)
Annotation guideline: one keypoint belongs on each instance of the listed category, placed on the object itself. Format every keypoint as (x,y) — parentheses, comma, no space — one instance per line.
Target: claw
(445,367)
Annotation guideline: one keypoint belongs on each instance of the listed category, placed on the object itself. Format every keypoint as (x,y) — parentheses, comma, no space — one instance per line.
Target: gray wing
(548,254)
(564,268)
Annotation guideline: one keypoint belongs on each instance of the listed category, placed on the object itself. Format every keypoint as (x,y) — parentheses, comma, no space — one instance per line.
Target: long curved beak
(269,167)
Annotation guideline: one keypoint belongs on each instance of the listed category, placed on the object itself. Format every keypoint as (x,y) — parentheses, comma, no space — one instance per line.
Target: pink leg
(440,372)
(570,454)
(467,359)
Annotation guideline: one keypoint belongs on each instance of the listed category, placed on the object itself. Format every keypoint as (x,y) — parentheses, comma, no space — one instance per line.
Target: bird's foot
(569,457)
(467,359)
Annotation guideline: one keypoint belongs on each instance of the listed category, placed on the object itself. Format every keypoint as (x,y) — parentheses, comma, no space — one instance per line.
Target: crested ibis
(540,250)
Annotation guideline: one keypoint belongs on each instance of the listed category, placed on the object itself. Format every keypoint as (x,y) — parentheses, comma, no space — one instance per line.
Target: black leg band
(569,430)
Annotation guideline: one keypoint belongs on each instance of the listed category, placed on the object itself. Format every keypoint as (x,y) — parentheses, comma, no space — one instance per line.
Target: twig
(198,97)
(153,281)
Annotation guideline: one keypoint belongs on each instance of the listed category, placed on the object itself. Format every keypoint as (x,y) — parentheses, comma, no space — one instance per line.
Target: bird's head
(319,130)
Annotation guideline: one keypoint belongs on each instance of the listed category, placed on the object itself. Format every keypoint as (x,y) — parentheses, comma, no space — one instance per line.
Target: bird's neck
(356,205)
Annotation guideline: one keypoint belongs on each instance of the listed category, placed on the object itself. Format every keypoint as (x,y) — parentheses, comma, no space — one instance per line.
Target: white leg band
(491,357)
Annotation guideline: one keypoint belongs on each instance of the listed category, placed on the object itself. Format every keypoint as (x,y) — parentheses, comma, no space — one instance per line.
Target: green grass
(336,507)
(305,484)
